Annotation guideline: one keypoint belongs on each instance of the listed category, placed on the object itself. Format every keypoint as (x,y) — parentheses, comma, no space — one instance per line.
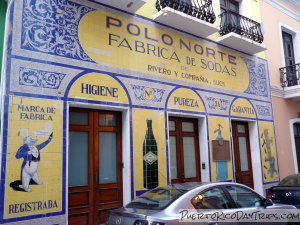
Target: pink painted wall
(284,109)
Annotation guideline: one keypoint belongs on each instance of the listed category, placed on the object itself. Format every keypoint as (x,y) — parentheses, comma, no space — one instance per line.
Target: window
(212,199)
(156,199)
(230,18)
(243,197)
(288,48)
(229,5)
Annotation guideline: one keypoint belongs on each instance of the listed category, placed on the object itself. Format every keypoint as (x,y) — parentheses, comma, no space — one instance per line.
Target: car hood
(281,206)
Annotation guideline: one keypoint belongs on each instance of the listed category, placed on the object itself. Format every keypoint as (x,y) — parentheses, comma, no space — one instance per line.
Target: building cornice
(284,9)
(277,92)
(286,93)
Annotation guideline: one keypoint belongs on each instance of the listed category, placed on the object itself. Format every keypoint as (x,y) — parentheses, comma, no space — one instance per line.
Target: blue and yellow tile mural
(83,54)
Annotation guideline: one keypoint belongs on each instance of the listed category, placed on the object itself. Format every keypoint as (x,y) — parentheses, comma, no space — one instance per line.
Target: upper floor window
(229,5)
(288,48)
(232,7)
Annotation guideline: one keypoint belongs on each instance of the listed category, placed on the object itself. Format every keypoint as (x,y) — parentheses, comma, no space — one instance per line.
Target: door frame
(296,41)
(180,152)
(234,155)
(203,144)
(126,151)
(255,154)
(294,152)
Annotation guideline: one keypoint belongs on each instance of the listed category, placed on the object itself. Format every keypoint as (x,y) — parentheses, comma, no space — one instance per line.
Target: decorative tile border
(143,93)
(258,84)
(264,110)
(51,26)
(40,78)
(217,103)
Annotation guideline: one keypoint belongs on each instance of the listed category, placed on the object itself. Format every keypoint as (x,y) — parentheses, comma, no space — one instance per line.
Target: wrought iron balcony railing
(290,75)
(201,9)
(234,22)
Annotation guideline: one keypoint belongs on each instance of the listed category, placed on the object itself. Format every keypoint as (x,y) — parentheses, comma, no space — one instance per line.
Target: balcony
(241,33)
(126,5)
(290,81)
(195,16)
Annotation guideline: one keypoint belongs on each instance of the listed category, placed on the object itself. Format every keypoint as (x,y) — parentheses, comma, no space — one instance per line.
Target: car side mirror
(268,202)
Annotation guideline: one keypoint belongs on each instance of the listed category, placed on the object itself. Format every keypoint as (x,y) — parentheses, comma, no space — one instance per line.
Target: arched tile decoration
(186,100)
(98,87)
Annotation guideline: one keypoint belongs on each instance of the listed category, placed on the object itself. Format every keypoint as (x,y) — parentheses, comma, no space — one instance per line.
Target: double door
(94,166)
(184,150)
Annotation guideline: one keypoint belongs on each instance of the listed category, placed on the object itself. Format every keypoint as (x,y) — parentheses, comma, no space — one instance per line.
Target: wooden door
(95,165)
(242,153)
(184,150)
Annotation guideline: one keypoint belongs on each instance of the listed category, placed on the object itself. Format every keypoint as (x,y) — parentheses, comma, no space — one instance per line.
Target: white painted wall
(256,156)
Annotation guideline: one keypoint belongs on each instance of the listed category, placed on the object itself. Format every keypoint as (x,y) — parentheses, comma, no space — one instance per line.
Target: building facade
(104,100)
(283,55)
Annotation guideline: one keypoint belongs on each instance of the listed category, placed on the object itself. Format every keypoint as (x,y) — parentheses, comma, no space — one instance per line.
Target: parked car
(287,191)
(162,205)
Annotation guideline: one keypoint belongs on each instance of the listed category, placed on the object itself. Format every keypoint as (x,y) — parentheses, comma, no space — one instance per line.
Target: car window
(289,181)
(211,199)
(156,199)
(244,197)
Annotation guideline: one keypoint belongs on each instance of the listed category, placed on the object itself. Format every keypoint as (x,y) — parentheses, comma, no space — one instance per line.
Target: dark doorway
(242,153)
(289,57)
(297,142)
(95,165)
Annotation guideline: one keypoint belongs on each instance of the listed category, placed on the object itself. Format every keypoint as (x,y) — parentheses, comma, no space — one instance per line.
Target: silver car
(169,205)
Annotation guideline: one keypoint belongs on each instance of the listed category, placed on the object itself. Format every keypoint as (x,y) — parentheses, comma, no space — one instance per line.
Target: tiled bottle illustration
(150,162)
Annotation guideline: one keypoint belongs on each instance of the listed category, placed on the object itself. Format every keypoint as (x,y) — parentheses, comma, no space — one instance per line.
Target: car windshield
(156,199)
(293,180)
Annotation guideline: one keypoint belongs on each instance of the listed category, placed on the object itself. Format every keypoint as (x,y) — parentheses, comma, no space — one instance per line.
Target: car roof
(192,185)
(189,185)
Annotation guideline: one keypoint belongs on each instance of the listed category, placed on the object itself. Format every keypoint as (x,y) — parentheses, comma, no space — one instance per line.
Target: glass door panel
(107,157)
(78,158)
(173,157)
(189,157)
(243,154)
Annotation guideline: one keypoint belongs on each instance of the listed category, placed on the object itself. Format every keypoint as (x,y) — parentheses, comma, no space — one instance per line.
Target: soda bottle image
(150,162)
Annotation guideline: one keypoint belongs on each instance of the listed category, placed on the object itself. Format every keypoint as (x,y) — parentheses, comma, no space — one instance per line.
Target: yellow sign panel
(149,149)
(268,152)
(185,99)
(97,86)
(34,157)
(219,131)
(242,108)
(112,40)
